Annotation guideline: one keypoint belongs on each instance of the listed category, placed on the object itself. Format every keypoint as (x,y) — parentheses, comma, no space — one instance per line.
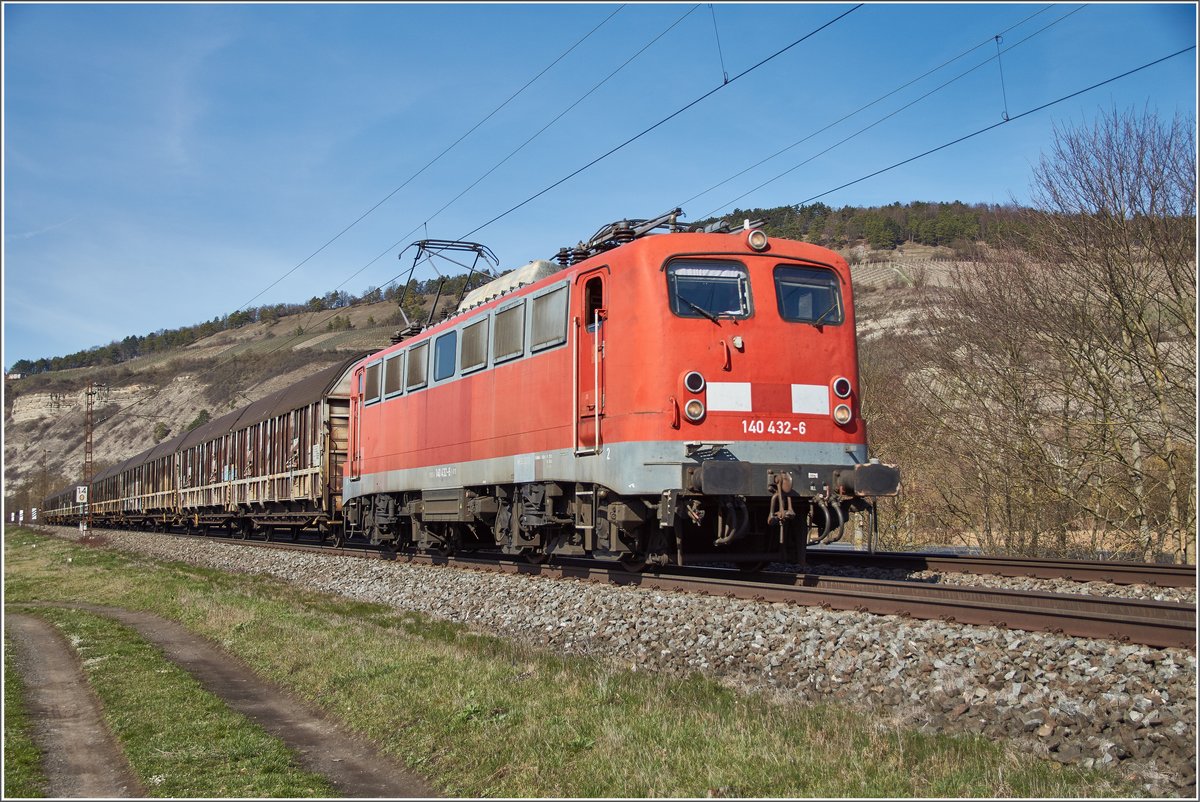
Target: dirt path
(81,757)
(354,766)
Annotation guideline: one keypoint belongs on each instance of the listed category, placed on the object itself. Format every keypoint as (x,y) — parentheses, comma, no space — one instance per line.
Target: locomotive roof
(528,274)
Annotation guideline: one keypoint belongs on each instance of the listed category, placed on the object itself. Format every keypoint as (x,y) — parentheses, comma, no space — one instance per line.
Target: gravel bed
(1151,592)
(1073,700)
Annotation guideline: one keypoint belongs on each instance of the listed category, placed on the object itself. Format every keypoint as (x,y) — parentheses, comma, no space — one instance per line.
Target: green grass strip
(483,716)
(23,774)
(181,740)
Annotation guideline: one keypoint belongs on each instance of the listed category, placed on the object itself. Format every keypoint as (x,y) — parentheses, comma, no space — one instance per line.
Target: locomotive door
(589,324)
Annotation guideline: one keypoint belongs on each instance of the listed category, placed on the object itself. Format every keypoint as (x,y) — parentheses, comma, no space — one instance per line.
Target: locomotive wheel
(535,557)
(633,563)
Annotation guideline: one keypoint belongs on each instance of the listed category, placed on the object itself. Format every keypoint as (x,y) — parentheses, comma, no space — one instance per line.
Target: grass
(482,716)
(181,740)
(23,774)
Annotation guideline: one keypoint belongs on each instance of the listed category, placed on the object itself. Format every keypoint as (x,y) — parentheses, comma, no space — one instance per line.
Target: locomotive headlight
(694,410)
(841,387)
(841,414)
(757,239)
(693,381)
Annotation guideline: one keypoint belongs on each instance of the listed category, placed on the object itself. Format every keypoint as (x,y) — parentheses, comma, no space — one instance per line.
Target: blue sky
(164,164)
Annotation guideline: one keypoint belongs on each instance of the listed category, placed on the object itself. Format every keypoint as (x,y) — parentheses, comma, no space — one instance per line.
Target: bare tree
(1051,386)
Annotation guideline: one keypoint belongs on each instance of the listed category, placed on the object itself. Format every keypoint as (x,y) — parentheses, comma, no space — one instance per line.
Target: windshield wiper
(821,319)
(701,310)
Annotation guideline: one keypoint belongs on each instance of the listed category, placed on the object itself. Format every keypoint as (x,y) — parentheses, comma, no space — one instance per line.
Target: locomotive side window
(549,319)
(808,295)
(706,288)
(594,292)
(371,393)
(474,346)
(444,351)
(418,364)
(510,333)
(391,375)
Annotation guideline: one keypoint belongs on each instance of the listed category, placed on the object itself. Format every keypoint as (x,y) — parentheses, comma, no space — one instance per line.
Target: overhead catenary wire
(879,99)
(627,142)
(434,160)
(985,129)
(664,120)
(407,181)
(539,132)
(717,34)
(866,128)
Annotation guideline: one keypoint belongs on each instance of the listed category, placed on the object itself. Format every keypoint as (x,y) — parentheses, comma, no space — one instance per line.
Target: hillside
(44,414)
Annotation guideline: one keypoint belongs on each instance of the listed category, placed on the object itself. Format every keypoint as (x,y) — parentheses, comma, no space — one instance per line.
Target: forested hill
(957,226)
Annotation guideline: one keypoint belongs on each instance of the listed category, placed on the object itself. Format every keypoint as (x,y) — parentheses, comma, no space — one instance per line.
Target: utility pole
(93,390)
(44,489)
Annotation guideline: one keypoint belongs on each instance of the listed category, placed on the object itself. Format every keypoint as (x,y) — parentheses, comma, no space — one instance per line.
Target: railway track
(1152,623)
(1118,573)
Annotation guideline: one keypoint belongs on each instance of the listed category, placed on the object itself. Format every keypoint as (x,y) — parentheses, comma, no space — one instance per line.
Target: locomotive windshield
(808,295)
(708,289)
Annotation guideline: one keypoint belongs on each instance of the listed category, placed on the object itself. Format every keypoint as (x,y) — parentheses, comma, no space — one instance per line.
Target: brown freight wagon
(273,465)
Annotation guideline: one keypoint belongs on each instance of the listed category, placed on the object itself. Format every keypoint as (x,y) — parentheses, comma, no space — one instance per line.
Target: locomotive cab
(747,379)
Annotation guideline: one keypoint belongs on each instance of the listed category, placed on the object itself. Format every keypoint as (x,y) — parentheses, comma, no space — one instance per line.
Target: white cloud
(24,235)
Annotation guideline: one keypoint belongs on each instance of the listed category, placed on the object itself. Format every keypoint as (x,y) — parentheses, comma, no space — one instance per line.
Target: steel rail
(1117,573)
(1152,623)
(1142,621)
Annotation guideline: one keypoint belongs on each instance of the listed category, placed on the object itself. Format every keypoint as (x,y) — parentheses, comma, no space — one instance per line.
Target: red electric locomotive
(688,396)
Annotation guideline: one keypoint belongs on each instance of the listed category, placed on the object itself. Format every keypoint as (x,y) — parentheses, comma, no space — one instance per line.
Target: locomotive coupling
(781,498)
(871,479)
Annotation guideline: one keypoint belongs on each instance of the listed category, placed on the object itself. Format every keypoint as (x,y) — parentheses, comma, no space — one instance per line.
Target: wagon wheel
(244,527)
(294,533)
(339,537)
(751,566)
(269,534)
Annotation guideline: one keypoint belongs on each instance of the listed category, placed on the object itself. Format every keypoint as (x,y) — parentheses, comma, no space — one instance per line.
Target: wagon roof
(113,470)
(209,431)
(169,446)
(294,396)
(65,492)
(304,392)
